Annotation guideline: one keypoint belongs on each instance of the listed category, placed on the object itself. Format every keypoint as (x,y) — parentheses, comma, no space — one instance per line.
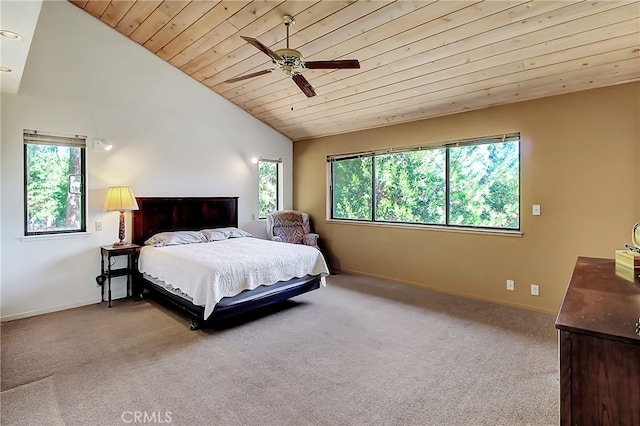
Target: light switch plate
(536,210)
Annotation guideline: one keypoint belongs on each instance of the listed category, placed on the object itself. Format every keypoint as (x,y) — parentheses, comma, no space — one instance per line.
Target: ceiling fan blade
(253,74)
(262,47)
(341,64)
(304,85)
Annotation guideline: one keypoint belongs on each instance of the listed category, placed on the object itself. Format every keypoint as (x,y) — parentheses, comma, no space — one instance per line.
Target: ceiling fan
(291,60)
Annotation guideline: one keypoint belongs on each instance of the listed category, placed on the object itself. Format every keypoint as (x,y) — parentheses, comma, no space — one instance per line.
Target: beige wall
(580,160)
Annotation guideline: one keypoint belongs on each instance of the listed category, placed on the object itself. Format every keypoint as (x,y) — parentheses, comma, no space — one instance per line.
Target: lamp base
(121,231)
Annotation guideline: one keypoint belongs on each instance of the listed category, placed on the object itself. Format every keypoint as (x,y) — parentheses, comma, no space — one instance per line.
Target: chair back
(289,226)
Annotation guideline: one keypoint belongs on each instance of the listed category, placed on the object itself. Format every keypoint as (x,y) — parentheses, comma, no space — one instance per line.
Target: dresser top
(601,302)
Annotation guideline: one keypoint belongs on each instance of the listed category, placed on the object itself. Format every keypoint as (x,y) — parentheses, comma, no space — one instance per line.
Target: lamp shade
(120,198)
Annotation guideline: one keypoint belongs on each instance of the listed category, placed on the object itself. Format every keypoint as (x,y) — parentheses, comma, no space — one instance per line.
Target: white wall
(171,135)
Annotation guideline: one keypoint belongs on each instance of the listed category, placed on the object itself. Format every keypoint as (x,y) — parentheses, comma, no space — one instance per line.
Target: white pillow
(214,235)
(218,234)
(175,238)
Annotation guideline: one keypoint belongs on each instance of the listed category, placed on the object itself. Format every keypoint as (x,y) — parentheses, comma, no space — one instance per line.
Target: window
(268,187)
(472,183)
(55,194)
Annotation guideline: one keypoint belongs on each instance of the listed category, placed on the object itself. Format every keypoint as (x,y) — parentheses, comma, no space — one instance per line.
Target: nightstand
(108,252)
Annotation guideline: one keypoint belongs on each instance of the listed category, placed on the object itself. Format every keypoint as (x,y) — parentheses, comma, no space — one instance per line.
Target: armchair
(291,226)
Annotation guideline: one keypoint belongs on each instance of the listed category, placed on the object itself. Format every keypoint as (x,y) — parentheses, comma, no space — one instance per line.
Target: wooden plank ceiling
(418,59)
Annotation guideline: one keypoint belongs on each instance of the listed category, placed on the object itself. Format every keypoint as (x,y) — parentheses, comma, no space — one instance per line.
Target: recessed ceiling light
(5,69)
(10,35)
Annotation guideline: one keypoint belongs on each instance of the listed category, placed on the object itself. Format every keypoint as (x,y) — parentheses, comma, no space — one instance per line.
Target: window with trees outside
(55,194)
(471,183)
(268,187)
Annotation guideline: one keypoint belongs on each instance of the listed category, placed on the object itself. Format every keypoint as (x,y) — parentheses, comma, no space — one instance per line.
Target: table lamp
(120,198)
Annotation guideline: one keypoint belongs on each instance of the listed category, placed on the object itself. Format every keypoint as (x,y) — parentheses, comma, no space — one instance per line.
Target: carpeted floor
(361,351)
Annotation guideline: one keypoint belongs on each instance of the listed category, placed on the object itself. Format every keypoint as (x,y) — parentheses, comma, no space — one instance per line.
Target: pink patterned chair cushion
(291,226)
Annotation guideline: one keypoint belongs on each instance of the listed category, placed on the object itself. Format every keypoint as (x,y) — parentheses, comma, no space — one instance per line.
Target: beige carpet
(359,352)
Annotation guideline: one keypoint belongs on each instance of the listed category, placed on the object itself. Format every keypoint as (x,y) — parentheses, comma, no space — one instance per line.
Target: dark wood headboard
(160,214)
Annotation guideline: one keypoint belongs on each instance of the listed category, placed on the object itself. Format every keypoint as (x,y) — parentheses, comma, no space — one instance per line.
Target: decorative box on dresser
(600,346)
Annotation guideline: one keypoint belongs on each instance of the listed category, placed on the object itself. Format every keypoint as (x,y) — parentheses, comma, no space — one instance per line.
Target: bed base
(228,307)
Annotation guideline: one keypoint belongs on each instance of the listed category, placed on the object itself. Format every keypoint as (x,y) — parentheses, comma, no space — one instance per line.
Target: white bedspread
(210,271)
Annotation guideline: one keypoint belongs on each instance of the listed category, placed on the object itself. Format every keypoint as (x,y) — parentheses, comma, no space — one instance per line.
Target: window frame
(512,137)
(33,137)
(279,166)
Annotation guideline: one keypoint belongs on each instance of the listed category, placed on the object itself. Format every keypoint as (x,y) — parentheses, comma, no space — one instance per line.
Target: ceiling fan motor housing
(291,59)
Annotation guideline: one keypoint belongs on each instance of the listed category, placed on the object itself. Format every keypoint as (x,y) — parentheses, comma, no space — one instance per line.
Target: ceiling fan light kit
(289,61)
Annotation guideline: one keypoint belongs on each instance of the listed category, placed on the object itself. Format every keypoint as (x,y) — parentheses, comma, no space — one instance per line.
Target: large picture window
(472,183)
(54,168)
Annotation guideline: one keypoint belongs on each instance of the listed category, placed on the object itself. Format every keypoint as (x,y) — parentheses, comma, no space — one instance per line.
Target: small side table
(107,252)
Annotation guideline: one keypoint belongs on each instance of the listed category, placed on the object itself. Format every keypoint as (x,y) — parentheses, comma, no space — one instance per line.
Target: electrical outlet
(535,290)
(98,226)
(510,285)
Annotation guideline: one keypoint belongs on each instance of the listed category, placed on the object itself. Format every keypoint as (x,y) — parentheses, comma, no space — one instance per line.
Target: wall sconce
(102,146)
(255,160)
(120,198)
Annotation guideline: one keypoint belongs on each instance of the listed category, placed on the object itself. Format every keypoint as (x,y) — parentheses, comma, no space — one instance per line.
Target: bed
(185,283)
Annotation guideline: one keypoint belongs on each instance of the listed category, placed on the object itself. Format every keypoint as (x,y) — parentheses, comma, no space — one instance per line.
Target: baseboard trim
(48,310)
(453,292)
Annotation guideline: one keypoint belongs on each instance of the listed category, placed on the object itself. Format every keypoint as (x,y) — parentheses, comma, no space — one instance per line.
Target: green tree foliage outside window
(352,191)
(485,185)
(411,187)
(54,188)
(268,180)
(472,185)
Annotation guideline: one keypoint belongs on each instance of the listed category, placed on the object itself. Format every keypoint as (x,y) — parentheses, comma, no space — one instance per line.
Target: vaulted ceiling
(417,59)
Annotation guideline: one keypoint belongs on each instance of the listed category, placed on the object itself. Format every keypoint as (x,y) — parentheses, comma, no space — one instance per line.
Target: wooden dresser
(600,346)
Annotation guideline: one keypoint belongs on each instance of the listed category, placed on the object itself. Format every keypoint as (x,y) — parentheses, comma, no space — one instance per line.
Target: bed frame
(160,214)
